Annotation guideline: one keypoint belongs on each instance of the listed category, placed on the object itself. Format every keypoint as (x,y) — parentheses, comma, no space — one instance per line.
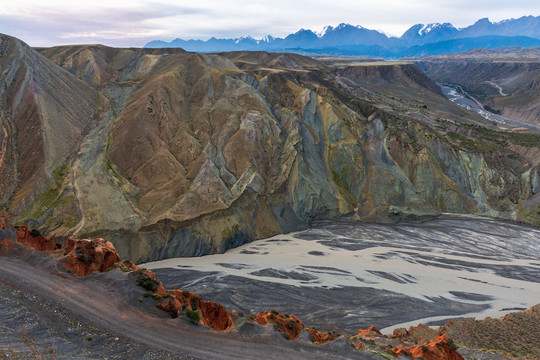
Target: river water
(460,97)
(352,275)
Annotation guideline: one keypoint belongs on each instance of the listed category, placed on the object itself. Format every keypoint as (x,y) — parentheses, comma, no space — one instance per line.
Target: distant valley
(503,80)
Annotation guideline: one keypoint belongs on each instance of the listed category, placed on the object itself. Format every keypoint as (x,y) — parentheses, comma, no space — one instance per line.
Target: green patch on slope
(50,197)
(476,145)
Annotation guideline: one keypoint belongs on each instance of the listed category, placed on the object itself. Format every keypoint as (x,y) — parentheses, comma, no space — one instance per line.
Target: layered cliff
(189,154)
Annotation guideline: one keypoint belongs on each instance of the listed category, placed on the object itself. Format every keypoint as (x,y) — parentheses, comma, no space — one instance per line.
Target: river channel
(349,275)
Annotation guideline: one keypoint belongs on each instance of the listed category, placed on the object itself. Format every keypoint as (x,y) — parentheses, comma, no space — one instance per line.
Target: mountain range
(346,39)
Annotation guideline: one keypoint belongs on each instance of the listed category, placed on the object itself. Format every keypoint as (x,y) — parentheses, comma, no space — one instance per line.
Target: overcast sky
(135,22)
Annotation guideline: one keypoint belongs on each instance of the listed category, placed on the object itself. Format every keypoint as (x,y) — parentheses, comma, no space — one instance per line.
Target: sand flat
(430,265)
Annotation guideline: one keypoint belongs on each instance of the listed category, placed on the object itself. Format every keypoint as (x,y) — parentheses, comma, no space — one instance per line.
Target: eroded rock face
(419,334)
(44,113)
(320,337)
(212,314)
(440,348)
(181,154)
(34,239)
(176,302)
(288,324)
(86,256)
(365,337)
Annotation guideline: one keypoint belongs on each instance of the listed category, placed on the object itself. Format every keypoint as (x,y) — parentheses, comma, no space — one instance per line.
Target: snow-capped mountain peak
(325,30)
(244,38)
(267,39)
(355,39)
(426,29)
(342,26)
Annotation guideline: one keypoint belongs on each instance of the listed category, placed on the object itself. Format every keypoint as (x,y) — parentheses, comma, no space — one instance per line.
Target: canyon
(181,154)
(311,202)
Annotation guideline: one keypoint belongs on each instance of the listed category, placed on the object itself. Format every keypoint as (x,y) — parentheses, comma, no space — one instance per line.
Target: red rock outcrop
(33,238)
(419,334)
(441,348)
(322,337)
(212,314)
(86,256)
(215,316)
(369,332)
(364,337)
(148,280)
(288,324)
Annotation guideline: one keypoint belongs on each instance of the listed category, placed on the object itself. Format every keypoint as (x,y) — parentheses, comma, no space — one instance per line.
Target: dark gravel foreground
(57,333)
(105,316)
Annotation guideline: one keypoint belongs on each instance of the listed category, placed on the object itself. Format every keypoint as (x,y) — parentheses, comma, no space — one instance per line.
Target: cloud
(42,25)
(135,22)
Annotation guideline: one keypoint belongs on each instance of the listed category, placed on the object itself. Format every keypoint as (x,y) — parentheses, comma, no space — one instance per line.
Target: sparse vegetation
(50,197)
(34,233)
(109,167)
(492,110)
(476,145)
(33,351)
(193,316)
(146,281)
(451,344)
(194,301)
(148,284)
(290,324)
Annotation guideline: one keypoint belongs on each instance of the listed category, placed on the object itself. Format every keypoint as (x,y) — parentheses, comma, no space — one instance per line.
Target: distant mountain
(422,34)
(345,34)
(465,44)
(346,39)
(524,26)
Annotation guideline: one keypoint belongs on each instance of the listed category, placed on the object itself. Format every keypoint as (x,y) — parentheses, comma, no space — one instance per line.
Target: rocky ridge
(188,154)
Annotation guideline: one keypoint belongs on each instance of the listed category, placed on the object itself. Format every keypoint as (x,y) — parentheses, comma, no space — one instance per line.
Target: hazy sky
(135,22)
